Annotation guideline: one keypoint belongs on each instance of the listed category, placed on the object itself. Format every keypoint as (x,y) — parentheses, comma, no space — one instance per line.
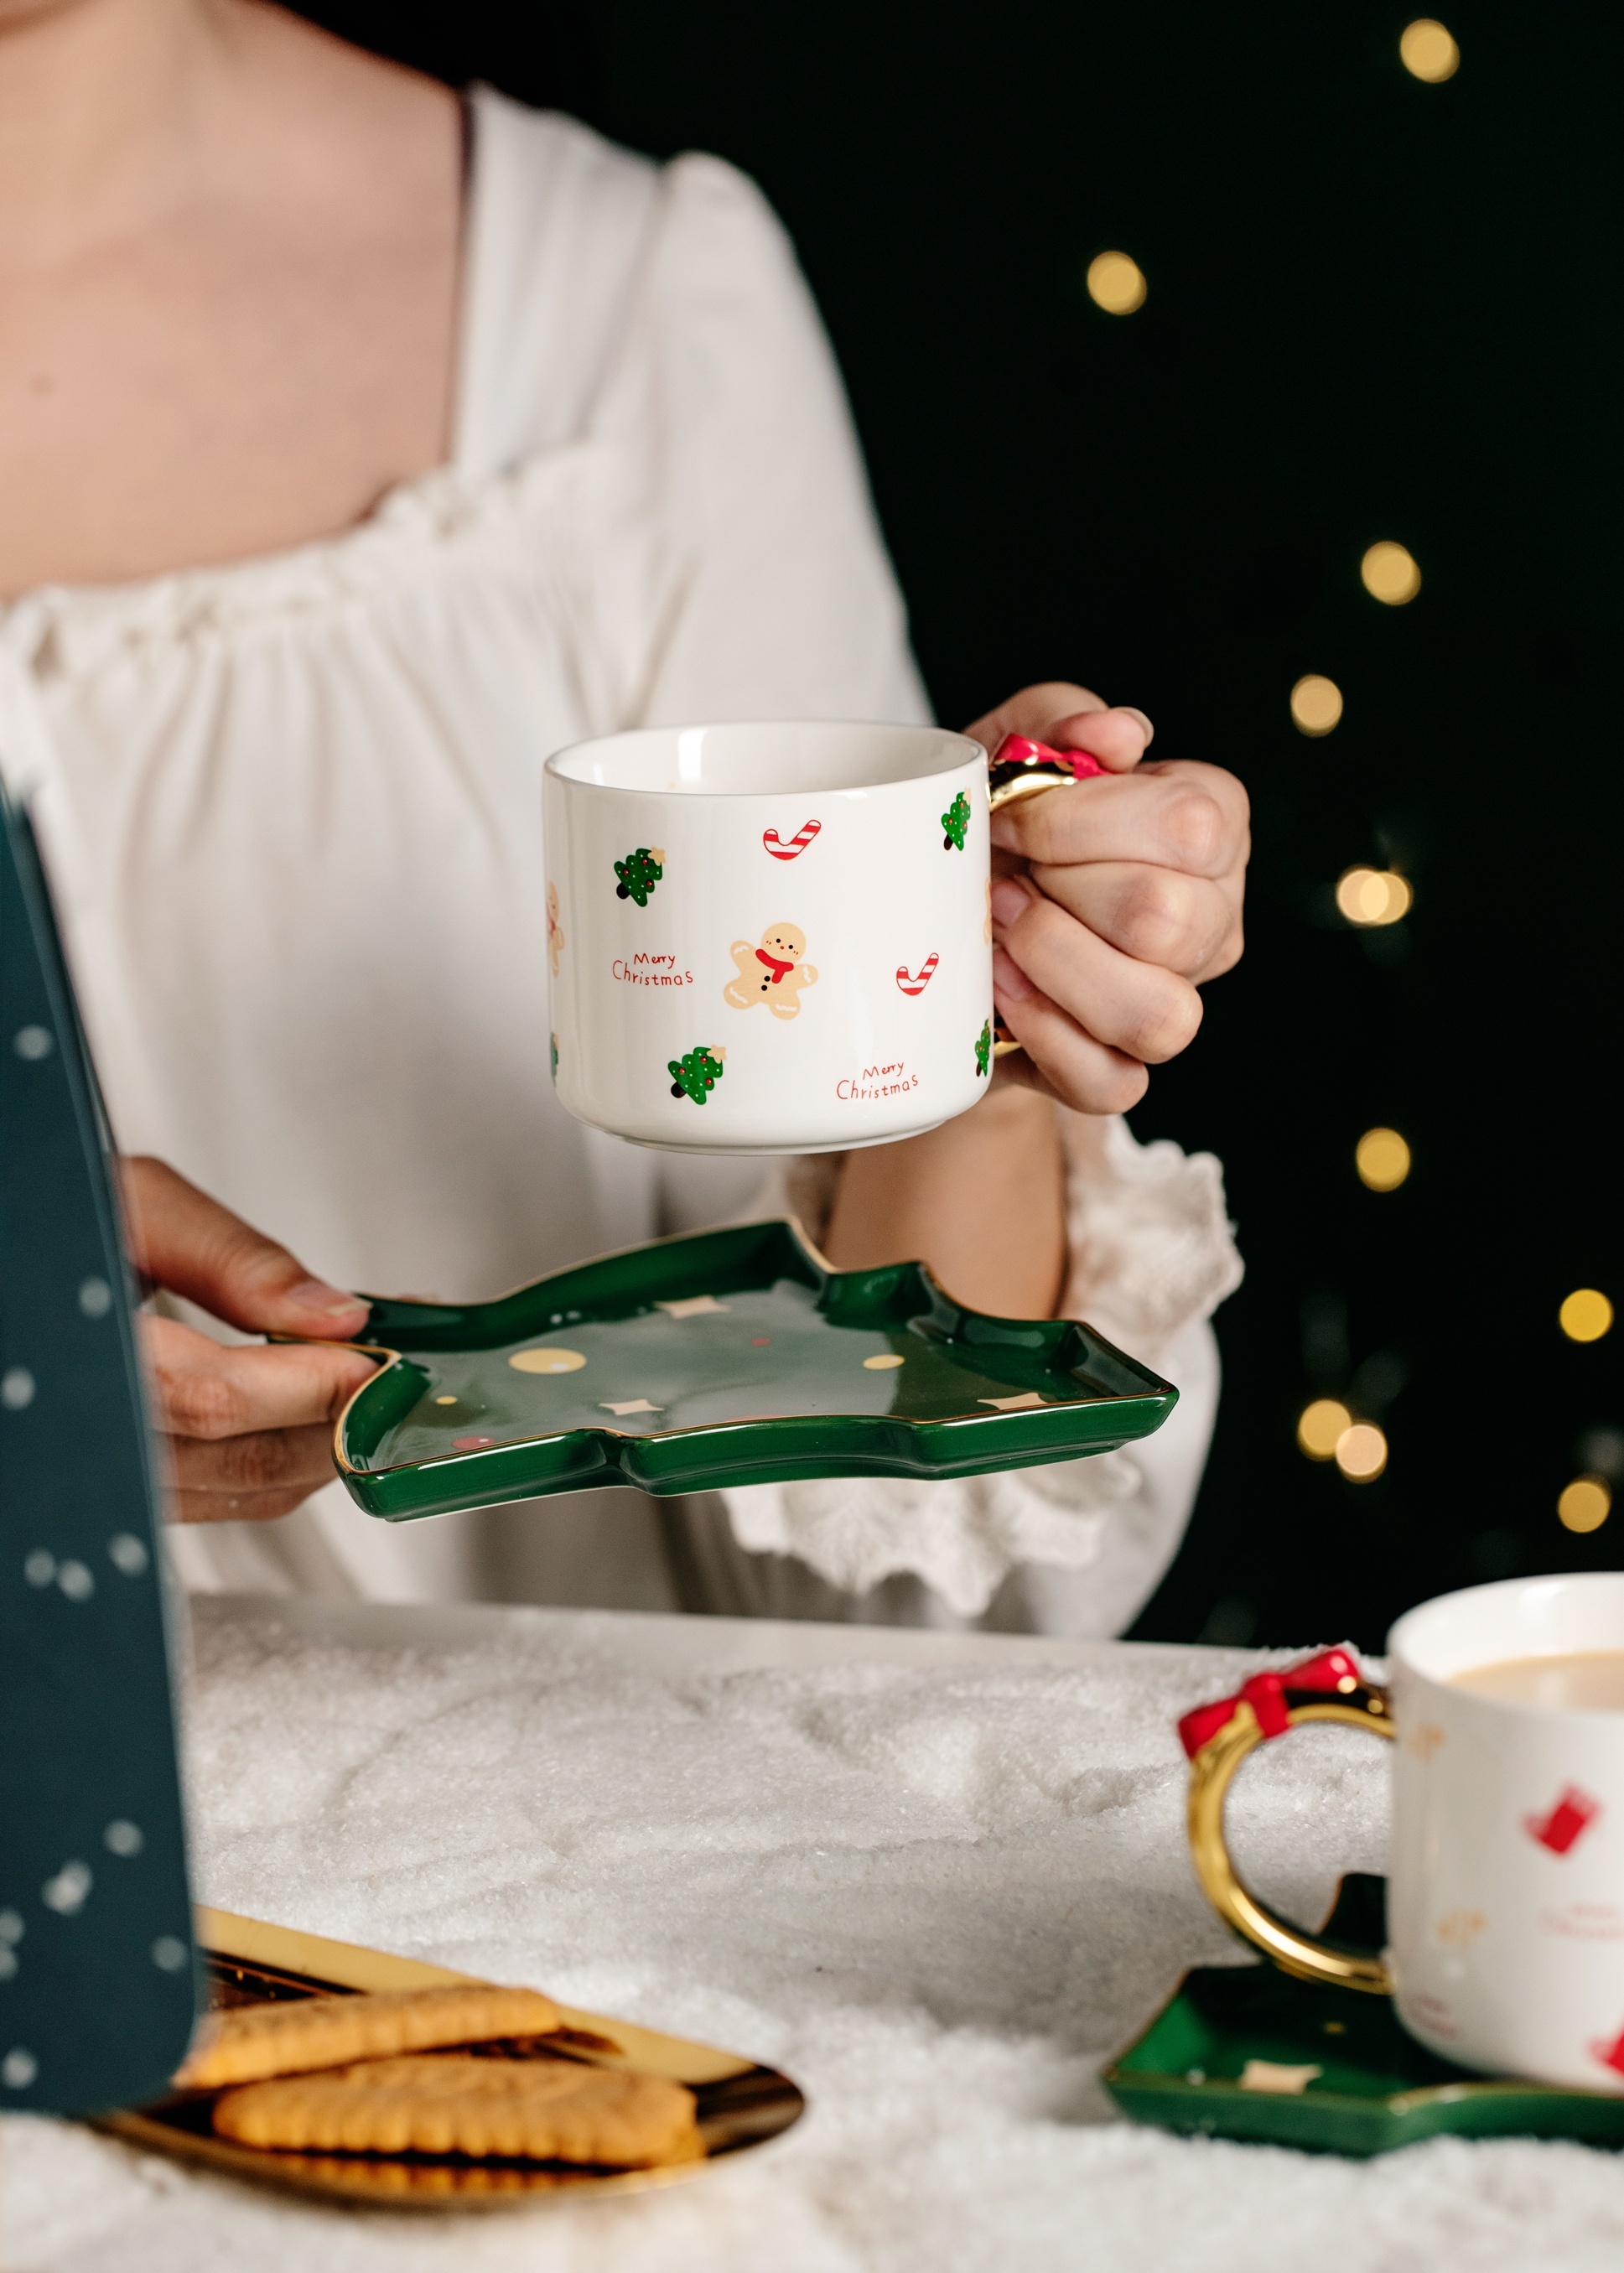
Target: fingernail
(326,1301)
(1010,898)
(1008,978)
(1144,722)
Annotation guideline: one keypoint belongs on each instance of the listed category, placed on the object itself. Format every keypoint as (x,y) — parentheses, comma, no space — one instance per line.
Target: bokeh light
(1369,896)
(1322,1424)
(1316,704)
(1586,1503)
(1382,1158)
(1116,283)
(1362,1452)
(1428,51)
(1388,574)
(1586,1316)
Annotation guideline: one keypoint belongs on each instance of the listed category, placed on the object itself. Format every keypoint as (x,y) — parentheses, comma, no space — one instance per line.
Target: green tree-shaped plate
(725,1357)
(1246,2051)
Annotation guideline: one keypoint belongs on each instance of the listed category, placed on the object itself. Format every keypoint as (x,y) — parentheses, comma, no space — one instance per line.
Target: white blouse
(292,812)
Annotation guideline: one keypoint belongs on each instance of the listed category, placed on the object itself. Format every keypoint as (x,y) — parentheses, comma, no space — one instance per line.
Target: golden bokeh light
(1428,51)
(1116,283)
(1322,1424)
(1362,1452)
(1370,896)
(1586,1503)
(1316,704)
(1382,1158)
(1586,1316)
(1388,574)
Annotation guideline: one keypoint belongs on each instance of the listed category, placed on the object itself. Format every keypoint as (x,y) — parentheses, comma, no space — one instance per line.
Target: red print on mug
(1610,2055)
(797,843)
(1574,1812)
(915,982)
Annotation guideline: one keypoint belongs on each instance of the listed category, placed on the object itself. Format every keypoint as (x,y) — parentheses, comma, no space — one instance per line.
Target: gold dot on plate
(1116,283)
(1382,1159)
(1368,898)
(1586,1316)
(879,1364)
(1362,1452)
(445,1400)
(1388,574)
(547,1361)
(1321,1425)
(1586,1503)
(1428,51)
(1316,704)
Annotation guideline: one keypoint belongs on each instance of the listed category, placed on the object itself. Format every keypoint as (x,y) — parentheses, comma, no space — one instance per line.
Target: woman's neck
(228,284)
(102,111)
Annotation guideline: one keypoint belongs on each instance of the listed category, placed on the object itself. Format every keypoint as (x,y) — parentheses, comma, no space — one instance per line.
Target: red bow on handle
(1019,750)
(1271,1695)
(1019,768)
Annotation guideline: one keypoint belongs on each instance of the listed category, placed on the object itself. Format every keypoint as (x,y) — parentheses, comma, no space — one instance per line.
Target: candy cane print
(916,982)
(797,843)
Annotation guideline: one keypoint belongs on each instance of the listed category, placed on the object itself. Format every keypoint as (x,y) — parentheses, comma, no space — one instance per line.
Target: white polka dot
(123,1838)
(11,1927)
(15,1388)
(129,1553)
(41,1567)
(76,1581)
(95,1297)
(18,2068)
(168,1954)
(66,1893)
(8,1962)
(33,1043)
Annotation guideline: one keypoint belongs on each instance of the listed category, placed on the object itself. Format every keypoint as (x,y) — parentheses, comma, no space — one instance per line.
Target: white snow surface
(936,1878)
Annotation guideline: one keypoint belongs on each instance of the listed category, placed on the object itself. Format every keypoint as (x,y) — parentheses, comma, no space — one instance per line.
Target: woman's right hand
(248,1431)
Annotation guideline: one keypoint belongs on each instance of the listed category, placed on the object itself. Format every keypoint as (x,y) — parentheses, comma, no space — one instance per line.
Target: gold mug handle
(1022,768)
(1218,1737)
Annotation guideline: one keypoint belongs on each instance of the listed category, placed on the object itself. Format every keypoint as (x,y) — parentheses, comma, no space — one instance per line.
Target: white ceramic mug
(769,938)
(1506,1881)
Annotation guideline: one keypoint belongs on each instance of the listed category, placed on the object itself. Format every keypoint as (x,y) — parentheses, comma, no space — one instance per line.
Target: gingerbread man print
(774,972)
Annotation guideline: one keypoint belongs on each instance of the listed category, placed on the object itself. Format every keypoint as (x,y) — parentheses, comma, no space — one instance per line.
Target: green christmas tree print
(955,820)
(638,873)
(984,1049)
(696,1075)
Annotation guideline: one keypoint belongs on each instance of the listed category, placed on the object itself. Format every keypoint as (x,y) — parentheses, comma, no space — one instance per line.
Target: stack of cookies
(452,2071)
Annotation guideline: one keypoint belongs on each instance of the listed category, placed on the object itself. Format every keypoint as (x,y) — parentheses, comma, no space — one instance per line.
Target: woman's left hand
(1111,901)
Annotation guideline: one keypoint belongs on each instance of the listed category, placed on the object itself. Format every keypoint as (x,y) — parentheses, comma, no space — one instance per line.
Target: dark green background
(1377,309)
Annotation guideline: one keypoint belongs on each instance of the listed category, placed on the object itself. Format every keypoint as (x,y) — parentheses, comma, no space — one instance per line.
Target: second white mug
(1505,1882)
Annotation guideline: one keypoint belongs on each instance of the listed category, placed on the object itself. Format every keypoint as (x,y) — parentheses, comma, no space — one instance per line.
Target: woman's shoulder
(545,170)
(572,240)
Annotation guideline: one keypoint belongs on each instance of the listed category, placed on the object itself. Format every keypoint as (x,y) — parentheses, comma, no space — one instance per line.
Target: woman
(364,447)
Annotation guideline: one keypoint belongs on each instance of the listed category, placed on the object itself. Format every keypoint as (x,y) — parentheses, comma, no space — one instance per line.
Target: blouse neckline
(418,507)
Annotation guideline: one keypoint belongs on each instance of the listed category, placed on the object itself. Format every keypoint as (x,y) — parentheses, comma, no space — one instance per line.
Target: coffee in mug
(1506,1879)
(769,938)
(1588,1681)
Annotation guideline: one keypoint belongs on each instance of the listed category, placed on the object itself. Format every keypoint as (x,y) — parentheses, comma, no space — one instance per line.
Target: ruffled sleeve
(1152,1256)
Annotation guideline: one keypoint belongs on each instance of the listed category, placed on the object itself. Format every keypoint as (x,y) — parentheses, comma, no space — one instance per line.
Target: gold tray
(741,2104)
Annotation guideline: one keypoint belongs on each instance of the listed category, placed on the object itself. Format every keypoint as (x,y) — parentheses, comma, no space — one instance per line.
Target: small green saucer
(725,1357)
(1370,2086)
